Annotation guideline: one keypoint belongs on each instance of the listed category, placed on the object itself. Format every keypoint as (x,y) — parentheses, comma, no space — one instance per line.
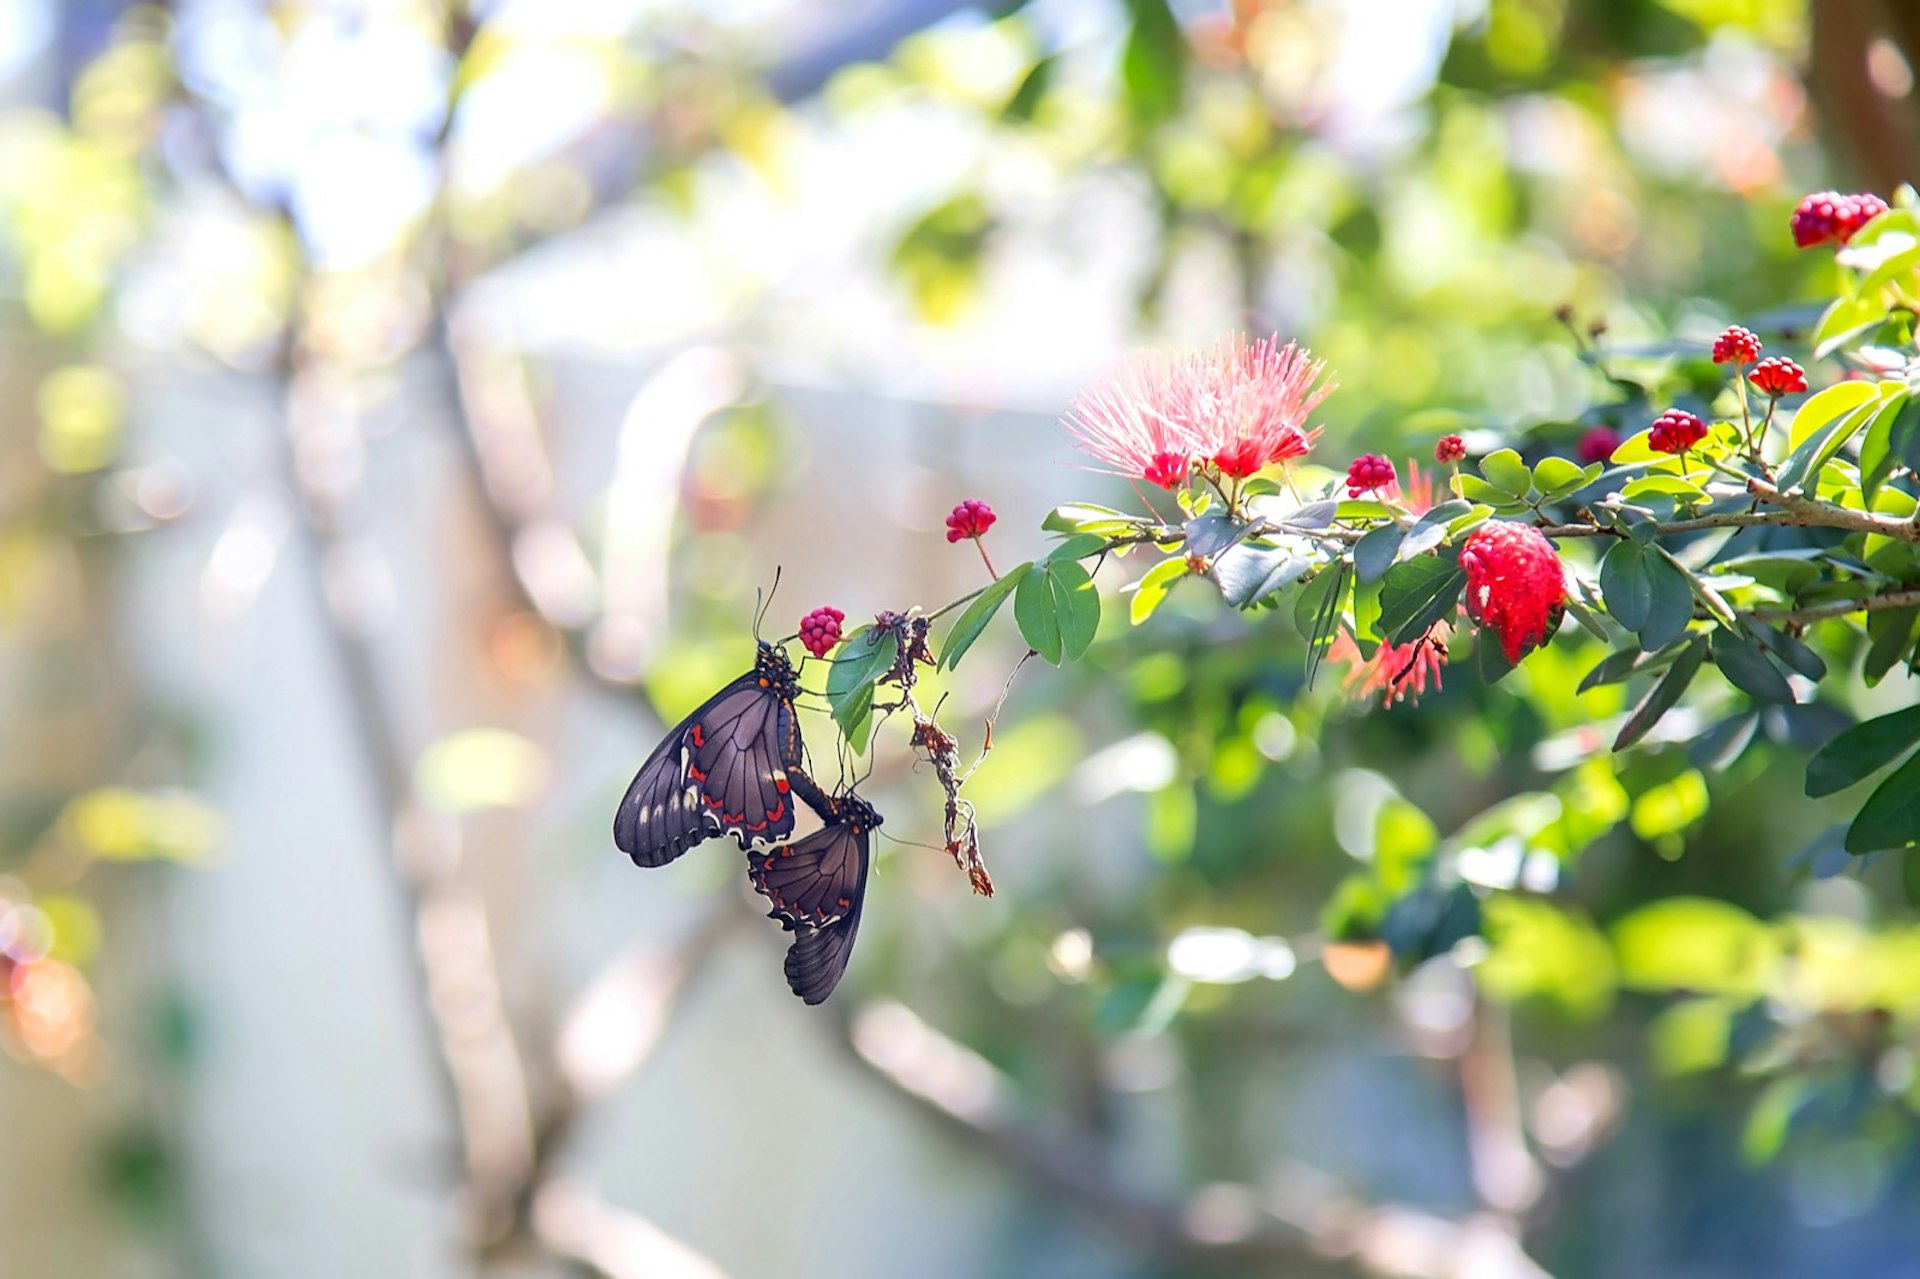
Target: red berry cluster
(1777,376)
(1451,448)
(1369,471)
(1515,585)
(1736,346)
(1676,431)
(1829,217)
(1597,445)
(971,518)
(820,630)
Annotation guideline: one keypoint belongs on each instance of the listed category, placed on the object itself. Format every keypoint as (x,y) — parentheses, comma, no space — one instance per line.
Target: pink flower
(1415,495)
(1246,403)
(1240,407)
(1395,671)
(1134,421)
(1515,585)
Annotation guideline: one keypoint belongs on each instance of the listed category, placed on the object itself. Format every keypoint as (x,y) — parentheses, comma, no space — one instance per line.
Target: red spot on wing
(780,783)
(696,774)
(699,735)
(778,811)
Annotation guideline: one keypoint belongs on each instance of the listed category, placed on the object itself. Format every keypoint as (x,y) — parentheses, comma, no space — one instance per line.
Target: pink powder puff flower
(1133,421)
(1395,671)
(1246,403)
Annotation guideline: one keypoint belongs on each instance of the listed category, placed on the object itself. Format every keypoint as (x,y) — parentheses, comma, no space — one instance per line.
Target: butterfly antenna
(763,603)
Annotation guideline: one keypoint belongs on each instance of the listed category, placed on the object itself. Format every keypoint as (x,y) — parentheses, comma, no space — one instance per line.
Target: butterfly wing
(818,886)
(740,746)
(661,816)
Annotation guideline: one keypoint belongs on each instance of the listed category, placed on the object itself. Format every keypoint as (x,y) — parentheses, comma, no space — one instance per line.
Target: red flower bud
(1368,472)
(820,630)
(1676,431)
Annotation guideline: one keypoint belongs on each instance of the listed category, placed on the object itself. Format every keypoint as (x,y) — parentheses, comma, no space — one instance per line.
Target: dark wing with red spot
(661,815)
(817,886)
(739,750)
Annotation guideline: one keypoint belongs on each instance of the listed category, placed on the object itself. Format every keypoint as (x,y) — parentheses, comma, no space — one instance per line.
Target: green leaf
(1076,547)
(1153,68)
(1492,496)
(1076,605)
(974,619)
(1249,572)
(1666,485)
(1888,443)
(1361,508)
(1034,612)
(1316,614)
(1889,633)
(1373,554)
(1556,477)
(1504,470)
(1670,608)
(864,657)
(1748,668)
(1816,447)
(1638,448)
(1846,319)
(1866,748)
(1366,618)
(1208,535)
(1663,696)
(1416,594)
(1891,816)
(1085,517)
(1791,650)
(1827,407)
(1611,669)
(1153,588)
(1033,88)
(1624,584)
(1476,515)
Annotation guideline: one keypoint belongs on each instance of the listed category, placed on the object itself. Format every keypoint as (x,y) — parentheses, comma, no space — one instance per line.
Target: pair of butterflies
(734,767)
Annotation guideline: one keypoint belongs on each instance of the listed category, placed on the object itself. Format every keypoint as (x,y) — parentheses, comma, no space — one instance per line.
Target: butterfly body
(724,769)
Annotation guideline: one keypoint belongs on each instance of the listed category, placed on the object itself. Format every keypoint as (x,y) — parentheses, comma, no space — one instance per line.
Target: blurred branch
(1303,1222)
(456,991)
(573,1222)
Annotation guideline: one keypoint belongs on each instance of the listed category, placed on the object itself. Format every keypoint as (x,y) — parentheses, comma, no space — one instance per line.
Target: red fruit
(1736,346)
(1515,586)
(1676,431)
(1450,448)
(820,630)
(1597,445)
(972,518)
(1369,471)
(1829,216)
(1778,376)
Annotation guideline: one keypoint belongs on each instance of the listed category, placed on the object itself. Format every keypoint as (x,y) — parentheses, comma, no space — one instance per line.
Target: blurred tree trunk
(1877,135)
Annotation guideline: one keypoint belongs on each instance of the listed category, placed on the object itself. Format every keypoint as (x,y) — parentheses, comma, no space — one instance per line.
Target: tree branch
(1838,608)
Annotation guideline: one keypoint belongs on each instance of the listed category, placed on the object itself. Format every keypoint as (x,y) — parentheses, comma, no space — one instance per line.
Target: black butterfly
(725,769)
(817,886)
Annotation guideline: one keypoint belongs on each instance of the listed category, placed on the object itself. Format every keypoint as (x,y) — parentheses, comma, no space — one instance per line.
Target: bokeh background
(403,405)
